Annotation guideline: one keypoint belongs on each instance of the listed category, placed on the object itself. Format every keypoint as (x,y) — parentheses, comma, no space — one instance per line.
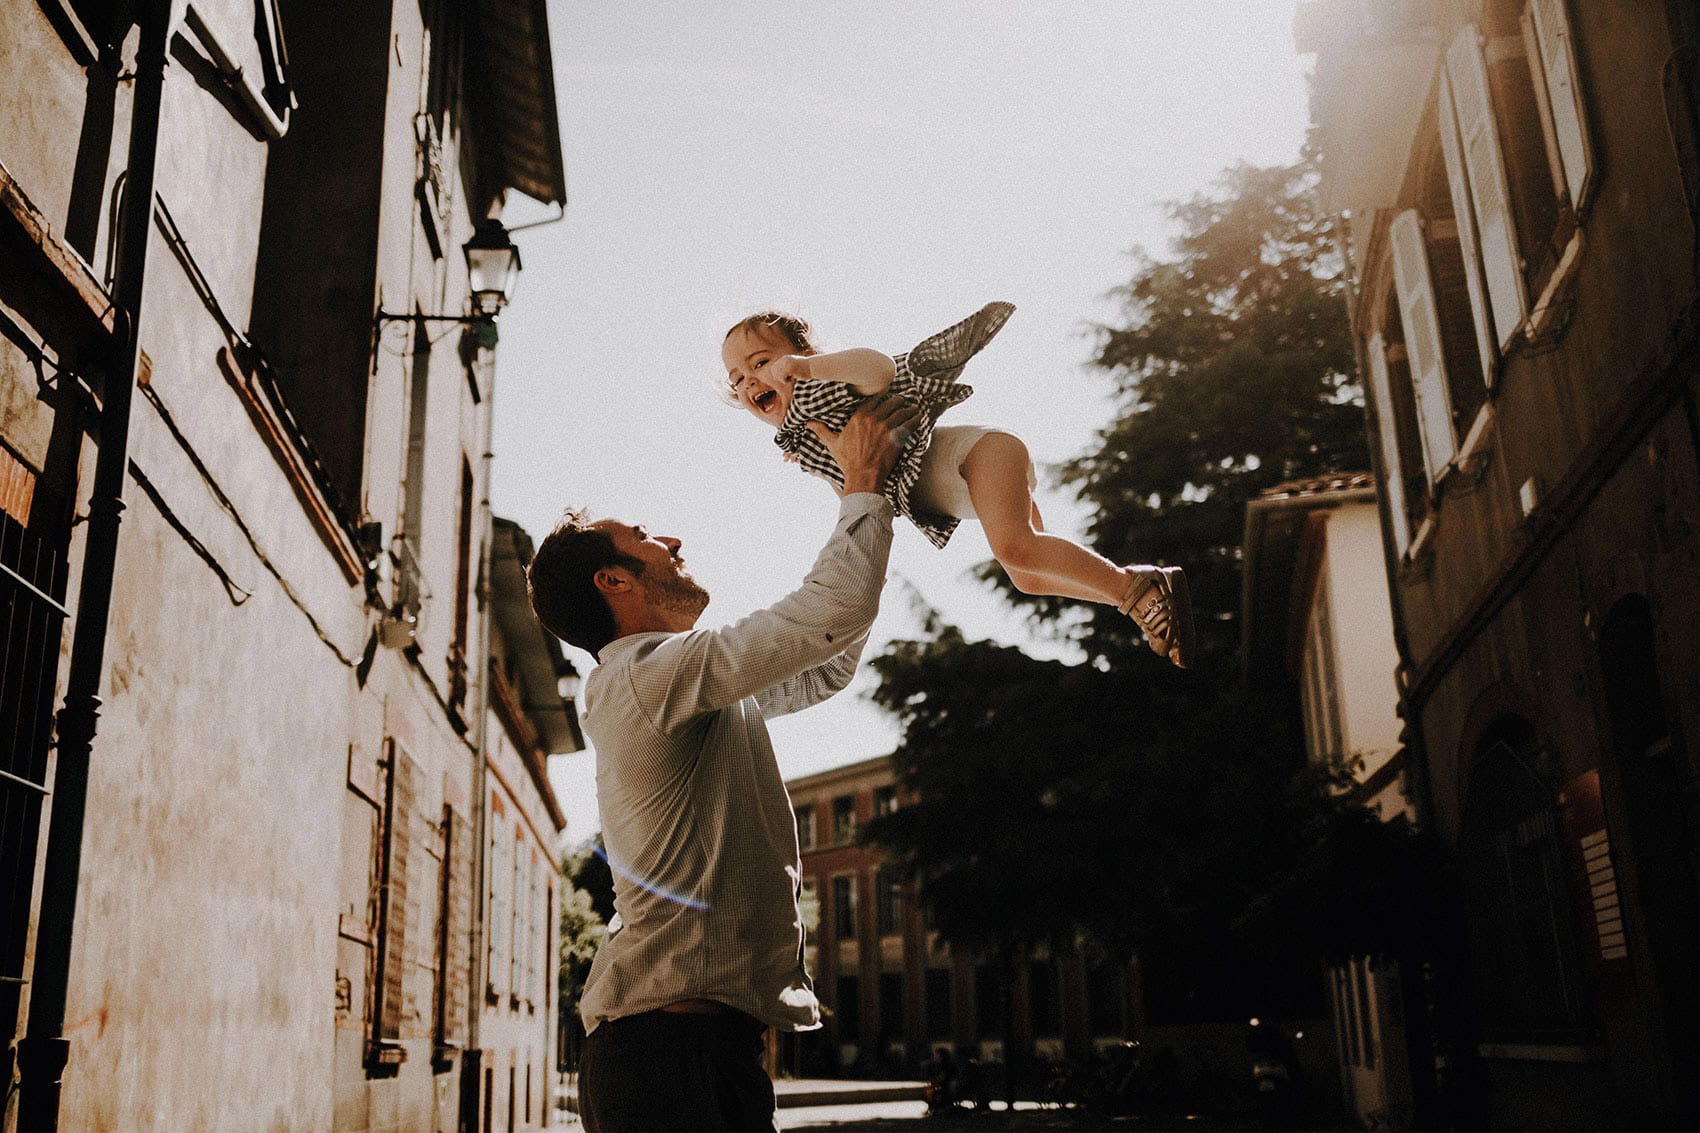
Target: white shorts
(941,488)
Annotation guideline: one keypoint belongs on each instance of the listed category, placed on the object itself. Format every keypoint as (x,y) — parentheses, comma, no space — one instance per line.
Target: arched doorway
(1524,947)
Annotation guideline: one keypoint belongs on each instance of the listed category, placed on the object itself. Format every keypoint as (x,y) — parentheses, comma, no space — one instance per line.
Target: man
(705,951)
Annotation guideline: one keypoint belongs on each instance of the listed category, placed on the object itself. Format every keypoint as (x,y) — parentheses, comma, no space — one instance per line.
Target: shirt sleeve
(807,633)
(814,685)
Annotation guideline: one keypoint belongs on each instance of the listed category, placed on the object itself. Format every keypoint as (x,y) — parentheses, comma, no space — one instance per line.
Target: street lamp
(492,270)
(492,267)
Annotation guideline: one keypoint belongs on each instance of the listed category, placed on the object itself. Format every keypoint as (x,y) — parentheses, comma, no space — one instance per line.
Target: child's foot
(1159,603)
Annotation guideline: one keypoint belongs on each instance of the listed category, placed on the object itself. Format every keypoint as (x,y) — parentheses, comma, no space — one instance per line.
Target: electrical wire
(224,502)
(238,594)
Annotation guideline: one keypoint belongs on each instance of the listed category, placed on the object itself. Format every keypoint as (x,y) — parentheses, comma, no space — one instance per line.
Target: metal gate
(32,613)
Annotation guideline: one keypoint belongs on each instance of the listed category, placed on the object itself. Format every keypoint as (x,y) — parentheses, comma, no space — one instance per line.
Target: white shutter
(1484,167)
(1463,209)
(1564,98)
(1392,476)
(1422,341)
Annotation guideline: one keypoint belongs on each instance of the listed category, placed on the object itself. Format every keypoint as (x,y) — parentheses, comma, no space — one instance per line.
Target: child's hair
(795,329)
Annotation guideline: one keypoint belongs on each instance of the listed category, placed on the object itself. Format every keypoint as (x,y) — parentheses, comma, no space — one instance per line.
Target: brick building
(892,990)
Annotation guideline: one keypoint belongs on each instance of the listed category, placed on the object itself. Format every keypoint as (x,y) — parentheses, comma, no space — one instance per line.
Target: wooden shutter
(1555,62)
(494,919)
(1392,476)
(1484,169)
(399,805)
(456,962)
(1422,341)
(1463,208)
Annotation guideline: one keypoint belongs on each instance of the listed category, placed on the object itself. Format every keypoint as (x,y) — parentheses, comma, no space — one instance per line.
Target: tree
(1233,371)
(587,905)
(1120,800)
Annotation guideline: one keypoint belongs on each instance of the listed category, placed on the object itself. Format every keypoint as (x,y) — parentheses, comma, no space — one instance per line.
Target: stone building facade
(1517,184)
(244,542)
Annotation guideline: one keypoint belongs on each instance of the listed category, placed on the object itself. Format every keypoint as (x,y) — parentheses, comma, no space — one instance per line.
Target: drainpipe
(472,1080)
(44,1051)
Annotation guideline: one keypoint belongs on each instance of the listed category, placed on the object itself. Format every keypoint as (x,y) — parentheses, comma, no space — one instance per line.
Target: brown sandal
(1160,605)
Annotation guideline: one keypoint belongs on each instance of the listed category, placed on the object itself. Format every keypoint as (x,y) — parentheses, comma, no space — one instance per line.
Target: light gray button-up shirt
(699,828)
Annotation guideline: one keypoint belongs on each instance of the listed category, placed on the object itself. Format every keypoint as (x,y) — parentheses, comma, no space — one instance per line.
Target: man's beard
(673,593)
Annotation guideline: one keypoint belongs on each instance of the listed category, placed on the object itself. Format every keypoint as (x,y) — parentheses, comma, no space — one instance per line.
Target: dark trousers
(664,1071)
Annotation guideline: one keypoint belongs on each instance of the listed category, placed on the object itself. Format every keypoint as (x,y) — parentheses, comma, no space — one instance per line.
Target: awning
(511,83)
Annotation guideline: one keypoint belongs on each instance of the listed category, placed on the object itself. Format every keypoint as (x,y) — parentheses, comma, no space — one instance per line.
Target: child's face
(746,353)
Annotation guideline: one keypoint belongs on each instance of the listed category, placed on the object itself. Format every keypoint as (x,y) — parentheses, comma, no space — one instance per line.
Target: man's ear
(612,580)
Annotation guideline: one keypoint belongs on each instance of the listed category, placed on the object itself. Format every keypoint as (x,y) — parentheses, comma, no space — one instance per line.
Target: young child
(946,473)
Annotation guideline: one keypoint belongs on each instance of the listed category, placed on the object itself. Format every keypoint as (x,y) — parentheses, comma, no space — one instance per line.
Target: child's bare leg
(1030,583)
(1037,562)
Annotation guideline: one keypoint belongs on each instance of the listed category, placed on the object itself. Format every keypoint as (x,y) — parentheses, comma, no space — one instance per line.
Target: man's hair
(562,583)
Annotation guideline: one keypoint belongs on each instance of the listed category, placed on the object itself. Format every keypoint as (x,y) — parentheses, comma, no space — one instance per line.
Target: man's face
(746,353)
(666,584)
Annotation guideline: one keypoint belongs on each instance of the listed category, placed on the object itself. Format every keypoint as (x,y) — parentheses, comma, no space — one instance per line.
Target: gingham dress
(926,375)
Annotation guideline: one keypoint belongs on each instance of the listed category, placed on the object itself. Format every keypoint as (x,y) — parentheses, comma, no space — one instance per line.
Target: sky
(883,169)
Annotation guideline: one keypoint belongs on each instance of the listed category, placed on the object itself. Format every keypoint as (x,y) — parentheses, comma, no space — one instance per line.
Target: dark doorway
(1659,793)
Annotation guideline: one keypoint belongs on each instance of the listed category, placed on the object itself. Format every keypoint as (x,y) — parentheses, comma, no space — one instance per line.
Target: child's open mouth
(765,400)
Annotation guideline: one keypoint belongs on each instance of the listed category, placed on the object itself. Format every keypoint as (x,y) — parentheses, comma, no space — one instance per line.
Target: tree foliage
(1120,801)
(587,905)
(1232,371)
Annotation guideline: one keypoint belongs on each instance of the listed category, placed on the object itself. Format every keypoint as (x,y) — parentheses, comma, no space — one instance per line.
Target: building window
(518,912)
(1322,715)
(844,819)
(888,902)
(1404,465)
(991,992)
(463,593)
(495,904)
(844,907)
(806,827)
(938,988)
(389,991)
(1044,1002)
(893,1018)
(454,922)
(1104,1000)
(848,1009)
(885,801)
(1522,929)
(1518,156)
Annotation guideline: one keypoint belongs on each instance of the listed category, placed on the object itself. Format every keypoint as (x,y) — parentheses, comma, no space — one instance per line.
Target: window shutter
(494,910)
(1464,210)
(457,916)
(1564,96)
(1392,476)
(1422,340)
(1484,167)
(398,847)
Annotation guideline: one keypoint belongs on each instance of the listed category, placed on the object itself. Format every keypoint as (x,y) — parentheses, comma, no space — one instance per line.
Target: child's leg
(1037,562)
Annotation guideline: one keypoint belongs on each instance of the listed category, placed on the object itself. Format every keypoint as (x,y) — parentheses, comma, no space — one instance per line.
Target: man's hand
(867,447)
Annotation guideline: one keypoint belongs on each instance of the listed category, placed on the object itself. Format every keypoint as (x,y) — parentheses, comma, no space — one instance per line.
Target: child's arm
(866,371)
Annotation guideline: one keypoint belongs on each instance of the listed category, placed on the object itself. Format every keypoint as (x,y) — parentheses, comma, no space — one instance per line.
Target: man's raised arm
(827,615)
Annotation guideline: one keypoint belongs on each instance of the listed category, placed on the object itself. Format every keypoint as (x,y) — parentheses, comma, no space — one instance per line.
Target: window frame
(850,908)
